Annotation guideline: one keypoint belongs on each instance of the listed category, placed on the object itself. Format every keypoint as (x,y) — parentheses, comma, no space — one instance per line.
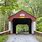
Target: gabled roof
(22,14)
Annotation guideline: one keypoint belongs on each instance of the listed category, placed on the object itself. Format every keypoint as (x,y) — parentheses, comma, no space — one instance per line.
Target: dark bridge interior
(21,21)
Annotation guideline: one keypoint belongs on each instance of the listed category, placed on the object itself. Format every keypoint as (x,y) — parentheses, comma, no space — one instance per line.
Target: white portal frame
(33,27)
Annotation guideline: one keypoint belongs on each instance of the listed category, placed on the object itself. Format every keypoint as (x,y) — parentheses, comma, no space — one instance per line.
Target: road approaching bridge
(22,38)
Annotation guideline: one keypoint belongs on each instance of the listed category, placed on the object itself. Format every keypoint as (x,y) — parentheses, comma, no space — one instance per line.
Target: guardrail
(38,33)
(7,31)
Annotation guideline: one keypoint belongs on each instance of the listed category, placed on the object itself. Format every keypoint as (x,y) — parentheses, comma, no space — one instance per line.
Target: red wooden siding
(26,15)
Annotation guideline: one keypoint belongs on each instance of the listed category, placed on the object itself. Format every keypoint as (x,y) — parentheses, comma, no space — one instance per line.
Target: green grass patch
(39,37)
(3,38)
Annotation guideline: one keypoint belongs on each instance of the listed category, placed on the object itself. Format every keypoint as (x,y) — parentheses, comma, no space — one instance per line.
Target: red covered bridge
(22,17)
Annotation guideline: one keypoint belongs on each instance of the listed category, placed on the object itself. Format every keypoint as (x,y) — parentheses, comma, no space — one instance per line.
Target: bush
(3,38)
(39,24)
(22,28)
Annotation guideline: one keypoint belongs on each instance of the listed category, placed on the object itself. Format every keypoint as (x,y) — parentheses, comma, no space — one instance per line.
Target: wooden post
(10,27)
(33,26)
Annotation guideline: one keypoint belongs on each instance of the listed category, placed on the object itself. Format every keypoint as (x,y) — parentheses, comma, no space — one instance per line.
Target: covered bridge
(22,17)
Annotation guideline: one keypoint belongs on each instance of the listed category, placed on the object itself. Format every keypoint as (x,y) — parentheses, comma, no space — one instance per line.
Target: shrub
(39,24)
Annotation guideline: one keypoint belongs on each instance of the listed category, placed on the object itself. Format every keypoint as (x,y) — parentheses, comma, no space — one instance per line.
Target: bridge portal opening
(22,21)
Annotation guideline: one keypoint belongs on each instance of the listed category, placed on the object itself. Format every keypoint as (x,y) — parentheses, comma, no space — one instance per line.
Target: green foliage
(3,38)
(39,24)
(21,28)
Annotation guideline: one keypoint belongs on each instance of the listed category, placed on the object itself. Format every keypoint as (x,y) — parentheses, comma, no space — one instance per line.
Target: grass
(39,37)
(3,38)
